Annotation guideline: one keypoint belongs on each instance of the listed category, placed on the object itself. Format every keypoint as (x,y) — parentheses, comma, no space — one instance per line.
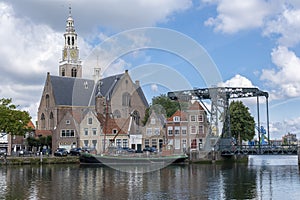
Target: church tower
(70,64)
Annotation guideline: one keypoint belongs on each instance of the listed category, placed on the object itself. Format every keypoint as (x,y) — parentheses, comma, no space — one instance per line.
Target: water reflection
(228,181)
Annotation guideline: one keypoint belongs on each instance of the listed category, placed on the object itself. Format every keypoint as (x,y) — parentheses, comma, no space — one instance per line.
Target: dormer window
(176,119)
(86,85)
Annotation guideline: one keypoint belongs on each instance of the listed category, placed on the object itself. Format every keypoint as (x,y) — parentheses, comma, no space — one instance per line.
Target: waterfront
(260,180)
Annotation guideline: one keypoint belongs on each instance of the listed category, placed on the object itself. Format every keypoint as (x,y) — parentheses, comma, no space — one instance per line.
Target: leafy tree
(12,120)
(39,142)
(242,124)
(169,106)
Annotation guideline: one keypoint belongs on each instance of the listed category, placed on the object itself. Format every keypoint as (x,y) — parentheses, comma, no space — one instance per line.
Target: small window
(149,131)
(177,130)
(114,131)
(170,130)
(193,129)
(118,142)
(152,120)
(90,120)
(201,129)
(125,143)
(154,143)
(193,118)
(183,130)
(94,131)
(86,131)
(156,131)
(200,118)
(146,142)
(176,119)
(67,121)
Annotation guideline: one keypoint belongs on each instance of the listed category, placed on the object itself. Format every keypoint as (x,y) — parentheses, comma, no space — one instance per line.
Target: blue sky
(251,42)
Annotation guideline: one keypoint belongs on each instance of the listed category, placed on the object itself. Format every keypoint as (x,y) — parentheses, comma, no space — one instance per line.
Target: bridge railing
(227,150)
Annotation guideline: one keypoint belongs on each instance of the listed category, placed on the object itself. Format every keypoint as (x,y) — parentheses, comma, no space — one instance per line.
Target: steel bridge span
(258,150)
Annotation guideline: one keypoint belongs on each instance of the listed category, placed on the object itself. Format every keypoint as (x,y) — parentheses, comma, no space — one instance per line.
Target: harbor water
(267,177)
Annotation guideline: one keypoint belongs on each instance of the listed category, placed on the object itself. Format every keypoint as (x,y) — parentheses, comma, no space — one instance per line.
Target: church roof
(108,84)
(73,91)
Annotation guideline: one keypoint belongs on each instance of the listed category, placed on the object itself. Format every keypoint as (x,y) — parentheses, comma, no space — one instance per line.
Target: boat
(131,159)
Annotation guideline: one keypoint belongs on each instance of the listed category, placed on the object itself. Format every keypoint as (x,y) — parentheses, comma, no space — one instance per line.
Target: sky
(202,43)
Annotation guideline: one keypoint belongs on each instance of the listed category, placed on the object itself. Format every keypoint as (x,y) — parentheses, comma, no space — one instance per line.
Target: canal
(262,178)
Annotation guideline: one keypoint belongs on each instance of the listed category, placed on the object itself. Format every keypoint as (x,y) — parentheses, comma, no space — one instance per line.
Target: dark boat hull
(131,160)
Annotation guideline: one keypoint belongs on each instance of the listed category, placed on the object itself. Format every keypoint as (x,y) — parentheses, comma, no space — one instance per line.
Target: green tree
(242,124)
(169,106)
(12,120)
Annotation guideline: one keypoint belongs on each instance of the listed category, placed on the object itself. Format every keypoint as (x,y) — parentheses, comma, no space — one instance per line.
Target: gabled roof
(180,114)
(108,84)
(73,91)
(195,106)
(69,91)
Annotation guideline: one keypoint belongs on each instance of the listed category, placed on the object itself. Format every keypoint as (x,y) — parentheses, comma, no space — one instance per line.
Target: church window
(47,101)
(63,72)
(68,40)
(126,99)
(117,114)
(51,120)
(43,121)
(74,72)
(73,40)
(136,117)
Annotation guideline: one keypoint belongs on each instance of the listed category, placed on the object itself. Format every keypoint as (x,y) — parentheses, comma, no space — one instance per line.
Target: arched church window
(43,121)
(63,72)
(51,120)
(136,117)
(117,114)
(73,41)
(47,101)
(74,72)
(126,99)
(68,40)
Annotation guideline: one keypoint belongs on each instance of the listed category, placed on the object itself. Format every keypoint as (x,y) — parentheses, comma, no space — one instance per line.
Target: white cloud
(236,15)
(32,41)
(279,129)
(286,78)
(110,13)
(287,26)
(154,87)
(237,81)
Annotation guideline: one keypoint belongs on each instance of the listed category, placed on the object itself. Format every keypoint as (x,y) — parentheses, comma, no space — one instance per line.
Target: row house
(154,133)
(187,129)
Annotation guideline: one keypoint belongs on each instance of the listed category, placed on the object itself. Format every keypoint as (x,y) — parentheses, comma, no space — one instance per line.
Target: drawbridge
(219,135)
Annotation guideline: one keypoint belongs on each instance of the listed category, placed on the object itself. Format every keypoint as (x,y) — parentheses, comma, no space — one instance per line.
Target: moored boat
(132,159)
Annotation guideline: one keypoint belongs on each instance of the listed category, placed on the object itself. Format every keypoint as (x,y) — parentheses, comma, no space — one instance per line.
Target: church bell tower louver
(70,64)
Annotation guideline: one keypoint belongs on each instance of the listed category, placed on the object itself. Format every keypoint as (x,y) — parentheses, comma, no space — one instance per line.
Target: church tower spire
(70,64)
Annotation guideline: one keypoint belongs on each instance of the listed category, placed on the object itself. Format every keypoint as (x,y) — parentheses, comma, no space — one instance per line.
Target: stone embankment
(37,160)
